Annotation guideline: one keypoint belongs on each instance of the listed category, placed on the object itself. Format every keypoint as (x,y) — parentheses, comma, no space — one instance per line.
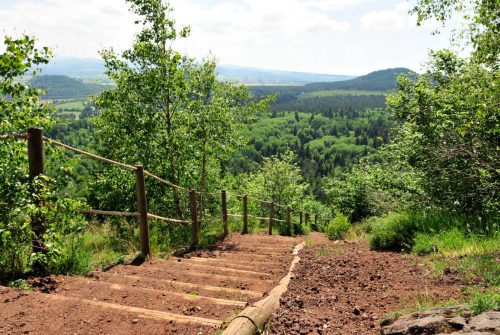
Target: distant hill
(377,82)
(64,87)
(93,69)
(383,80)
(253,76)
(82,68)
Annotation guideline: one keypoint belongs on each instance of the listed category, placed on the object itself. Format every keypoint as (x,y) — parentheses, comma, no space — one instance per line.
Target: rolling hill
(64,87)
(382,80)
(93,69)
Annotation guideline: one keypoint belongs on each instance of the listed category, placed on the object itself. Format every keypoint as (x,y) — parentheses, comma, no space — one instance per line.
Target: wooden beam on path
(142,312)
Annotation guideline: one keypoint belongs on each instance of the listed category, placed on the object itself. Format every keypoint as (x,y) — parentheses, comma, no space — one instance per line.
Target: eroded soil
(344,288)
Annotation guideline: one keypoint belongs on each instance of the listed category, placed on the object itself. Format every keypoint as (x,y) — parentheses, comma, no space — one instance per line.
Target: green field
(70,107)
(329,93)
(74,105)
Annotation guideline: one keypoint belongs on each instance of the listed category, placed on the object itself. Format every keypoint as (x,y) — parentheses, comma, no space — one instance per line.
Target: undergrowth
(452,245)
(338,227)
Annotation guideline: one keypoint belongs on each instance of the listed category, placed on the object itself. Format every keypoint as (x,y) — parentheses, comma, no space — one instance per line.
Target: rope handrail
(88,154)
(182,223)
(166,182)
(210,219)
(235,194)
(133,168)
(36,140)
(8,136)
(208,193)
(112,213)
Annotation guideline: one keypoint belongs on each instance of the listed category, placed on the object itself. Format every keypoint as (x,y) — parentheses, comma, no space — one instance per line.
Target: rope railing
(182,223)
(163,181)
(88,154)
(111,213)
(13,136)
(35,151)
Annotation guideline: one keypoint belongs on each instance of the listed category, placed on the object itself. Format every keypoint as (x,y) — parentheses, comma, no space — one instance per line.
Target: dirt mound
(346,289)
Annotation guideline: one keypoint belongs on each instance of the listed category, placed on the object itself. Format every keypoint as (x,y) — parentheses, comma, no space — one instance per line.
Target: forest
(410,159)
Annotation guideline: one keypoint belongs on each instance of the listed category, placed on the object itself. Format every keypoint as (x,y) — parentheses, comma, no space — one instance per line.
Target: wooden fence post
(289,221)
(194,219)
(245,214)
(36,168)
(142,207)
(271,213)
(224,212)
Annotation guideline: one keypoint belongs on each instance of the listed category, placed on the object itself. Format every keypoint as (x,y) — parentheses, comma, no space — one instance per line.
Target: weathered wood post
(224,212)
(36,168)
(289,221)
(142,207)
(245,214)
(194,220)
(271,213)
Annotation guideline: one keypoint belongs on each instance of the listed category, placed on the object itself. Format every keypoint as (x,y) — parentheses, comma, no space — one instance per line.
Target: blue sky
(322,36)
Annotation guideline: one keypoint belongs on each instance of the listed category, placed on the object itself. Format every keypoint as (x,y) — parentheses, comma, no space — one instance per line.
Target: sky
(351,37)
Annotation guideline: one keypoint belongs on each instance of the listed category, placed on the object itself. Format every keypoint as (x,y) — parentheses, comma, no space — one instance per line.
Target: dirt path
(346,289)
(192,295)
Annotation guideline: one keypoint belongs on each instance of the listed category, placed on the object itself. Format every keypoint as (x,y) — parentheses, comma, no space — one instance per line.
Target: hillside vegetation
(63,87)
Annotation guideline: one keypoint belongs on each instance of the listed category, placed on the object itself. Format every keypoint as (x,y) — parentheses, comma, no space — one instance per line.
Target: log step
(142,312)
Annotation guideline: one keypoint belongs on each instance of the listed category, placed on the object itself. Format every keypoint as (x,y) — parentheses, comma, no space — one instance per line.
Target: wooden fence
(36,140)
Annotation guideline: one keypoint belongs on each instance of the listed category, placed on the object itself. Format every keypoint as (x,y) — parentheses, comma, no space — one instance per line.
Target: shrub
(338,227)
(403,231)
(394,232)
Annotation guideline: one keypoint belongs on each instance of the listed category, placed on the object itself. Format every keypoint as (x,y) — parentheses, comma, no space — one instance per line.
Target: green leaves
(451,115)
(483,24)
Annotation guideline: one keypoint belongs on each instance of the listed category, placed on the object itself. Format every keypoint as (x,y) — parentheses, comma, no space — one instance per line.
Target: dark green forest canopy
(64,87)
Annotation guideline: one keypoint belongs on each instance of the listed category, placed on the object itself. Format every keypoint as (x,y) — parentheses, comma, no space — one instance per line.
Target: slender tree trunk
(173,167)
(202,183)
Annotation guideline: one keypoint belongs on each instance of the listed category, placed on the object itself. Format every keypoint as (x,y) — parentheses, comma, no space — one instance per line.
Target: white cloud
(71,27)
(328,36)
(396,18)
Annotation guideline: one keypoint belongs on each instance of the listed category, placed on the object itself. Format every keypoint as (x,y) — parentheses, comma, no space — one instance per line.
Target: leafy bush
(424,232)
(338,227)
(394,232)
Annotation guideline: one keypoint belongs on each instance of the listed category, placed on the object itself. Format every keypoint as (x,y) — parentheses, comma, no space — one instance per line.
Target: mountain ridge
(90,69)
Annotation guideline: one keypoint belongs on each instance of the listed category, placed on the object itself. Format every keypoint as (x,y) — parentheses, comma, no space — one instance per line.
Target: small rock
(135,320)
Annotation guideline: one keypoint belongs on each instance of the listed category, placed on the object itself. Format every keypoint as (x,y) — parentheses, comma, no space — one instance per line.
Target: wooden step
(171,285)
(141,312)
(141,290)
(188,266)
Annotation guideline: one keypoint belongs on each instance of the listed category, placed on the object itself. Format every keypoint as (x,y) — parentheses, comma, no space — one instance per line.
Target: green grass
(71,107)
(473,257)
(330,251)
(96,247)
(329,93)
(477,301)
(485,300)
(78,104)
